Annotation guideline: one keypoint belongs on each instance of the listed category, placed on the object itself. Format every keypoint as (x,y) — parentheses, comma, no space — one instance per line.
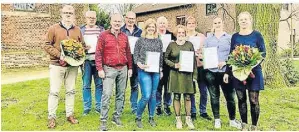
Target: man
(89,68)
(130,29)
(60,71)
(113,59)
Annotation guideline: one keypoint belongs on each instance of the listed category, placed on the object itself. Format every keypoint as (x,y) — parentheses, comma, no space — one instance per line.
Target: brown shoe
(72,120)
(51,123)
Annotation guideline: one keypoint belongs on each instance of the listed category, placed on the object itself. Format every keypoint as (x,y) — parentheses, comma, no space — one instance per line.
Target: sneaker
(134,112)
(167,111)
(253,128)
(138,123)
(205,116)
(244,127)
(98,111)
(217,123)
(116,121)
(235,123)
(86,112)
(193,116)
(189,123)
(159,111)
(179,124)
(103,126)
(152,122)
(51,123)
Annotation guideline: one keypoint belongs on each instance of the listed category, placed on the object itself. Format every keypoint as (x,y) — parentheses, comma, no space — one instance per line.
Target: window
(211,9)
(24,6)
(180,20)
(140,24)
(285,7)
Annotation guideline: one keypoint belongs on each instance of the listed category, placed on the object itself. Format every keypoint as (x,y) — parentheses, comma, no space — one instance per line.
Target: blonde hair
(246,13)
(189,19)
(216,17)
(146,24)
(175,31)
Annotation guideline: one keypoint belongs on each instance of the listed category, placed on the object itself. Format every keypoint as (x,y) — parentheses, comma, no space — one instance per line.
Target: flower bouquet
(72,51)
(242,60)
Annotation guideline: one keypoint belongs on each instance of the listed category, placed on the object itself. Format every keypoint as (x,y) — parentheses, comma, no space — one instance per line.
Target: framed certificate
(166,39)
(92,41)
(186,61)
(153,61)
(132,42)
(195,41)
(210,57)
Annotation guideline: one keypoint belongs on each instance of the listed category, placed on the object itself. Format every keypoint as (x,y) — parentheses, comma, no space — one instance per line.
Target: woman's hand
(141,66)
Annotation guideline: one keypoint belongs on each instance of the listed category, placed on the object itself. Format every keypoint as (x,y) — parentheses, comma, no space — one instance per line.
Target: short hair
(93,12)
(246,13)
(146,24)
(189,19)
(175,31)
(69,7)
(162,18)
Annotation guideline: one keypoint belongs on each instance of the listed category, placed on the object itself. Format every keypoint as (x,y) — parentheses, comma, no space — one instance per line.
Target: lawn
(24,107)
(296,64)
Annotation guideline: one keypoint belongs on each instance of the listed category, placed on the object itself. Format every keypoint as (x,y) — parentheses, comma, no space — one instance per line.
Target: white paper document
(210,57)
(186,61)
(132,42)
(166,39)
(92,41)
(195,41)
(153,61)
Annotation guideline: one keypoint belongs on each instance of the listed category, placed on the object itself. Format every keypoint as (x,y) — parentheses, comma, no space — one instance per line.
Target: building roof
(146,8)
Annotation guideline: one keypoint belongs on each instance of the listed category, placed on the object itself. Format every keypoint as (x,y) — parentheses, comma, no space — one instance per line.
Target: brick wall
(23,33)
(198,11)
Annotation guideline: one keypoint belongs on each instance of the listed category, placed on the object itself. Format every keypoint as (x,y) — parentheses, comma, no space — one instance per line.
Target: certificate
(195,41)
(153,61)
(166,39)
(186,61)
(92,41)
(132,42)
(210,57)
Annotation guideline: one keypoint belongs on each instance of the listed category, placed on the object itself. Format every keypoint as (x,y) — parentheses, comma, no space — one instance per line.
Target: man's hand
(87,47)
(62,62)
(225,78)
(130,72)
(177,66)
(101,74)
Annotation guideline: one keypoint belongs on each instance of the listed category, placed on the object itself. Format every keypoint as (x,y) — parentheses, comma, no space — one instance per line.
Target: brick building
(23,32)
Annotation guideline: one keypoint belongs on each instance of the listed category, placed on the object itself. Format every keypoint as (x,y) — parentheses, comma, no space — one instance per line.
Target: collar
(135,28)
(62,25)
(224,34)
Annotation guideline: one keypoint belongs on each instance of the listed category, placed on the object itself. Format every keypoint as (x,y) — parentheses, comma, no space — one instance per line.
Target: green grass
(24,107)
(296,64)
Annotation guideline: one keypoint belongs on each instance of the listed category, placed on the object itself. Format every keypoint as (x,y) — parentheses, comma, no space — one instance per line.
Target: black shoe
(193,116)
(159,111)
(103,126)
(152,122)
(167,111)
(206,116)
(138,123)
(116,121)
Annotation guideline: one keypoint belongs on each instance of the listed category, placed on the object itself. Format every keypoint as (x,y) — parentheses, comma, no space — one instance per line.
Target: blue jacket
(136,33)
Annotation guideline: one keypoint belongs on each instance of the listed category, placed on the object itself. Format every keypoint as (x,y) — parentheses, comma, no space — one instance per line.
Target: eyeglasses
(92,18)
(130,18)
(71,13)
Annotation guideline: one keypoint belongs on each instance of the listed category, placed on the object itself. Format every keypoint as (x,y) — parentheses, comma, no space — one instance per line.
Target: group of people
(112,63)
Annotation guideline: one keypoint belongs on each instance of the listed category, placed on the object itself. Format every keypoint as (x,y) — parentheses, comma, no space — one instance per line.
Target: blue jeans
(203,93)
(89,70)
(134,88)
(148,84)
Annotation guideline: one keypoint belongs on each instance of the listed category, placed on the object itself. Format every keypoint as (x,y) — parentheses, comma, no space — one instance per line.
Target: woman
(214,76)
(191,24)
(253,38)
(162,25)
(180,82)
(148,42)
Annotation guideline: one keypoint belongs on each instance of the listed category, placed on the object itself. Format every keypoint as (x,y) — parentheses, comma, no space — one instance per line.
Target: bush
(291,75)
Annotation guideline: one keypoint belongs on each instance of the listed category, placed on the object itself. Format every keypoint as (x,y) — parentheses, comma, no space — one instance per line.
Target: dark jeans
(203,91)
(89,70)
(134,88)
(254,105)
(214,81)
(163,82)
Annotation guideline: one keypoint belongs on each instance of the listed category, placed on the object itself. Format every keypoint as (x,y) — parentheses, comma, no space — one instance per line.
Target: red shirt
(113,51)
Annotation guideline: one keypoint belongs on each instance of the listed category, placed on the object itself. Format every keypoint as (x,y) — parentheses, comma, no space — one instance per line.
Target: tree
(266,20)
(103,18)
(124,8)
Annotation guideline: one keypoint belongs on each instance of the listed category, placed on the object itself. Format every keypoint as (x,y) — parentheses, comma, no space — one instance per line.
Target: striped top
(91,31)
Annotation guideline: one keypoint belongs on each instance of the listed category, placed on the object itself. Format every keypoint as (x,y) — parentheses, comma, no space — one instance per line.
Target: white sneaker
(179,124)
(189,123)
(235,123)
(217,123)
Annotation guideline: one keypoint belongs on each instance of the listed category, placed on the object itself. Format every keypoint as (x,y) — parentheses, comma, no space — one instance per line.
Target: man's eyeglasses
(71,13)
(130,18)
(92,18)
